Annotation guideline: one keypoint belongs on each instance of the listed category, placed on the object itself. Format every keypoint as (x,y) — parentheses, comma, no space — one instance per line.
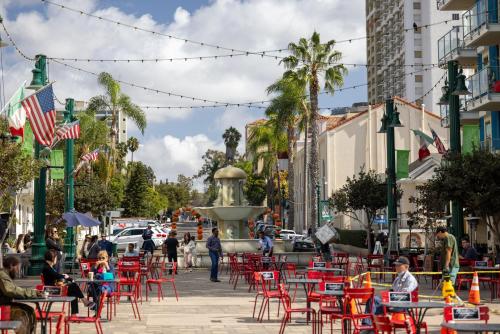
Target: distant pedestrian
(170,246)
(215,252)
(265,244)
(131,251)
(187,249)
(93,248)
(84,252)
(20,244)
(468,252)
(194,252)
(52,242)
(105,244)
(449,253)
(147,236)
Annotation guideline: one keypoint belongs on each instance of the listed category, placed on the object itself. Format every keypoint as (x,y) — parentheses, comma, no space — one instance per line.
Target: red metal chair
(354,298)
(341,260)
(258,292)
(164,278)
(267,280)
(5,316)
(56,316)
(131,292)
(288,310)
(375,263)
(329,305)
(95,319)
(313,296)
(401,320)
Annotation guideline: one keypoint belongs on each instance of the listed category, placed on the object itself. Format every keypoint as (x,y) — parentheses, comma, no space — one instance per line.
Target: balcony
(454,4)
(481,27)
(451,47)
(490,144)
(485,90)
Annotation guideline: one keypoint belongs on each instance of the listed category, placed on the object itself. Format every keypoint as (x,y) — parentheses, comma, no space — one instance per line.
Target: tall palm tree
(112,103)
(309,60)
(231,138)
(289,109)
(132,145)
(265,143)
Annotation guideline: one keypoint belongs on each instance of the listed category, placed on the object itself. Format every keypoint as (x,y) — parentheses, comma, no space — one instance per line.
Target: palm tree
(289,109)
(114,102)
(265,143)
(310,59)
(132,145)
(231,138)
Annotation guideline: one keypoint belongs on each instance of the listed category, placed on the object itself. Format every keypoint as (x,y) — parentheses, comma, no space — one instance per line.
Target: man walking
(105,244)
(265,244)
(148,244)
(449,253)
(171,245)
(214,251)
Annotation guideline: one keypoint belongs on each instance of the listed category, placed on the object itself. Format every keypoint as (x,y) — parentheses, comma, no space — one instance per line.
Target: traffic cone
(354,309)
(367,284)
(444,330)
(474,297)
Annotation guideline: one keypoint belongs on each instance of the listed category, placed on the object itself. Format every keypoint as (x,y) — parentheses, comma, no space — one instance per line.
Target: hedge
(355,238)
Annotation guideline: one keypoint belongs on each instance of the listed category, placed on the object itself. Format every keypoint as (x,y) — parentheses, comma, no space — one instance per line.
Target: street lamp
(473,222)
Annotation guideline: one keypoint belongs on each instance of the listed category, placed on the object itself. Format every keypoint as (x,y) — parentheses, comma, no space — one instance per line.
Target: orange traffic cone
(367,284)
(474,297)
(445,330)
(352,303)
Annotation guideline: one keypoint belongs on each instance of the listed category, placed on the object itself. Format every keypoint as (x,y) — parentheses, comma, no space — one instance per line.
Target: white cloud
(170,156)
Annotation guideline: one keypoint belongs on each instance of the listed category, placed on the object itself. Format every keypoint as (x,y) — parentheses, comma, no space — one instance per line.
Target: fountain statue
(231,209)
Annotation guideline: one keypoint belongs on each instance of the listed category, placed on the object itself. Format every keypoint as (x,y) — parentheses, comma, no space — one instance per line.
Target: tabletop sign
(464,313)
(319,264)
(399,297)
(267,275)
(481,263)
(265,259)
(334,287)
(52,290)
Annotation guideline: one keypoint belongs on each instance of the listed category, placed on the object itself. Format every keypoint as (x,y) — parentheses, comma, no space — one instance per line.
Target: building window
(419,78)
(123,131)
(418,54)
(417,5)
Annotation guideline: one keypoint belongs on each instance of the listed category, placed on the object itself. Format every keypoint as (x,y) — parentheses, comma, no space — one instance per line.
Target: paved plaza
(214,308)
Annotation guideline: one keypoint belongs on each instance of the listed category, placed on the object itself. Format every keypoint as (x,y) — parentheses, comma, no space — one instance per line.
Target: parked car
(134,235)
(303,244)
(288,234)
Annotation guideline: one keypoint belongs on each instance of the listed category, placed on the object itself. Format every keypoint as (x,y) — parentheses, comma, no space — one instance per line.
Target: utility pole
(391,178)
(69,184)
(40,183)
(457,215)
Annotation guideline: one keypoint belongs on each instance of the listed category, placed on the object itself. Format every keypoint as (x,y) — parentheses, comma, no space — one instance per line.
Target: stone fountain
(231,209)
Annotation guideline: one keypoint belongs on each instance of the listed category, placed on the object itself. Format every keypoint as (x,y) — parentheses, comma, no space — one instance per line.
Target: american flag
(41,113)
(68,131)
(91,156)
(439,144)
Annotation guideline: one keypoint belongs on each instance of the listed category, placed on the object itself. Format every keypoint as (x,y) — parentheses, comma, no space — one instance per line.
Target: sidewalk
(211,308)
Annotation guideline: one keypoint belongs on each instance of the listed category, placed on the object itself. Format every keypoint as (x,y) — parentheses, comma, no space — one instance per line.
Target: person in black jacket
(93,248)
(52,278)
(52,243)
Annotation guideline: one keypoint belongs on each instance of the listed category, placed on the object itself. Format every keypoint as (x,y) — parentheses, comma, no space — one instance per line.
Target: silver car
(134,235)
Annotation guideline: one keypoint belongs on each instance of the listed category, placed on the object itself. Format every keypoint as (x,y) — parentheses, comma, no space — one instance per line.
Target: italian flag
(425,141)
(16,115)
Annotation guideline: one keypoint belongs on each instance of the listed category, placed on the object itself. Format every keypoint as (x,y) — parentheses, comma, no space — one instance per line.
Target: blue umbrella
(77,218)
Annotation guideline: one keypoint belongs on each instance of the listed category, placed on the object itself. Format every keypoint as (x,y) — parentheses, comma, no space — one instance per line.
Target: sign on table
(52,290)
(399,297)
(334,287)
(464,313)
(319,264)
(267,275)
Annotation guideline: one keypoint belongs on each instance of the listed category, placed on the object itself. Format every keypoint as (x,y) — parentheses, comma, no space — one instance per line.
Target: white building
(396,49)
(351,141)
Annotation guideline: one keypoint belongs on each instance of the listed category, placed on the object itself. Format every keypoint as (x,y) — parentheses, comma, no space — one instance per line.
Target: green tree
(114,102)
(363,193)
(132,145)
(309,60)
(135,202)
(474,180)
(213,160)
(156,202)
(254,188)
(178,193)
(289,110)
(231,138)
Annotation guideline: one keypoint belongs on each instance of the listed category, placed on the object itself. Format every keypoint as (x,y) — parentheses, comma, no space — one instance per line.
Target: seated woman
(102,270)
(52,278)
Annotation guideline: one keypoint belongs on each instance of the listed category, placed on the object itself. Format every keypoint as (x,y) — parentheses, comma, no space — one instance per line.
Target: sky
(175,139)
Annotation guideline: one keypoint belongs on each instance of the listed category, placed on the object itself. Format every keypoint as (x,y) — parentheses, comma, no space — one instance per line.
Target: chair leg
(283,323)
(254,305)
(175,290)
(148,287)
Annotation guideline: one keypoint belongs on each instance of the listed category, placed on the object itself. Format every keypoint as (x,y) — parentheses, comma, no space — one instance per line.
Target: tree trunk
(314,154)
(291,192)
(278,178)
(304,188)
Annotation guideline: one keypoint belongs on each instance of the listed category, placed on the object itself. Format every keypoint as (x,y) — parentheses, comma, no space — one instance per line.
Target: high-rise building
(401,40)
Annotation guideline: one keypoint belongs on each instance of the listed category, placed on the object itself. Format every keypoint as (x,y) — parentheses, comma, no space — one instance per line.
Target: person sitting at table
(265,244)
(131,251)
(52,278)
(404,282)
(100,269)
(468,252)
(9,291)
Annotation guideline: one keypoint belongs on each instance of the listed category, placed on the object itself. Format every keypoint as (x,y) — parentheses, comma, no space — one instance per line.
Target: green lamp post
(40,183)
(390,120)
(69,181)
